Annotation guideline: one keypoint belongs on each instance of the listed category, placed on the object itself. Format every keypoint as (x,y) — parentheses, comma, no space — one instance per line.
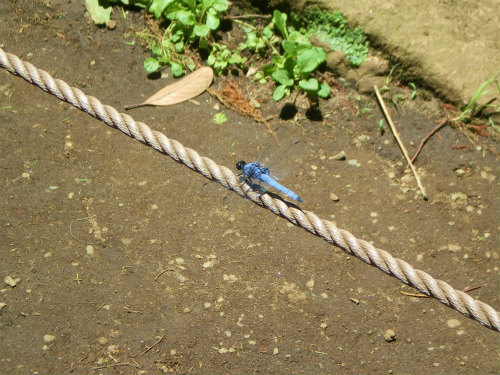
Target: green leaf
(98,13)
(156,49)
(289,47)
(205,4)
(279,19)
(324,90)
(310,59)
(158,7)
(309,85)
(283,77)
(221,5)
(213,21)
(234,59)
(211,59)
(151,65)
(179,47)
(201,30)
(280,92)
(219,118)
(185,17)
(177,69)
(204,44)
(268,69)
(267,32)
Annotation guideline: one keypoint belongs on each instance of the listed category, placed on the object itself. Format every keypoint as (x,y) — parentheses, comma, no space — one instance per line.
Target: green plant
(293,69)
(414,91)
(331,28)
(191,21)
(219,118)
(166,51)
(472,108)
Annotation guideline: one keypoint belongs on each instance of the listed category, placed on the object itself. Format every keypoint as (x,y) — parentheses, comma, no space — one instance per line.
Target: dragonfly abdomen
(271,182)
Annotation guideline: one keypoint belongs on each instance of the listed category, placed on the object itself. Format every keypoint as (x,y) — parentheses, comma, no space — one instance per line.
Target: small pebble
(208,264)
(48,338)
(454,248)
(10,281)
(354,163)
(310,283)
(275,351)
(25,175)
(334,197)
(339,156)
(2,305)
(90,250)
(389,335)
(229,277)
(102,340)
(487,176)
(453,323)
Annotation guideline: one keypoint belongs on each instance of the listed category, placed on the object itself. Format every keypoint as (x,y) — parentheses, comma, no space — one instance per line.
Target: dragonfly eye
(240,165)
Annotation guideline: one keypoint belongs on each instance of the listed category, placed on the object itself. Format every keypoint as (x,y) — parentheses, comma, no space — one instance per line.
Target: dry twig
(151,347)
(431,133)
(398,139)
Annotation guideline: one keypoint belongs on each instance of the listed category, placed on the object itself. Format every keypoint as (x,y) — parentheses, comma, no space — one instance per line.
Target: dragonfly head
(240,165)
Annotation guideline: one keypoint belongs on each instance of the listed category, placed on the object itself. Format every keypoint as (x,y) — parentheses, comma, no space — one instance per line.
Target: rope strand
(458,300)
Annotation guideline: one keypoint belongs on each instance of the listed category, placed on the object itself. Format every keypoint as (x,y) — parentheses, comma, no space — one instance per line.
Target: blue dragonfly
(270,164)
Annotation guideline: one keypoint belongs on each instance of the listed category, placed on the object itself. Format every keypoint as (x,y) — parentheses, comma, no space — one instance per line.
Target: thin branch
(151,347)
(247,16)
(398,139)
(431,133)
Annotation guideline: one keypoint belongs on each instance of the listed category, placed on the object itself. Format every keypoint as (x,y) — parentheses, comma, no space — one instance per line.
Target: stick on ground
(398,139)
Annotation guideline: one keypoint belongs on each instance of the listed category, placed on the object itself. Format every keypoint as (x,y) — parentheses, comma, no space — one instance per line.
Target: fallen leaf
(187,88)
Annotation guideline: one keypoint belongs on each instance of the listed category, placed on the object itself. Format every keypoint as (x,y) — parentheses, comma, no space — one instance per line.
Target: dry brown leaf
(187,88)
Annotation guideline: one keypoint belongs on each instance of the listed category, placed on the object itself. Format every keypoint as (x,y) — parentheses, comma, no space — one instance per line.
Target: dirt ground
(114,249)
(450,46)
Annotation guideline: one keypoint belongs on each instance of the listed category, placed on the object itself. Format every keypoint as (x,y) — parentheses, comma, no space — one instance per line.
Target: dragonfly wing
(280,152)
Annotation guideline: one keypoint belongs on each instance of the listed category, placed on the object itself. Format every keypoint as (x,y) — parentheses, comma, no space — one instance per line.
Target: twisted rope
(456,299)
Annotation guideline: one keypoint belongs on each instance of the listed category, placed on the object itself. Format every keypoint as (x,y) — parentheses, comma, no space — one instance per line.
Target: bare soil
(115,249)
